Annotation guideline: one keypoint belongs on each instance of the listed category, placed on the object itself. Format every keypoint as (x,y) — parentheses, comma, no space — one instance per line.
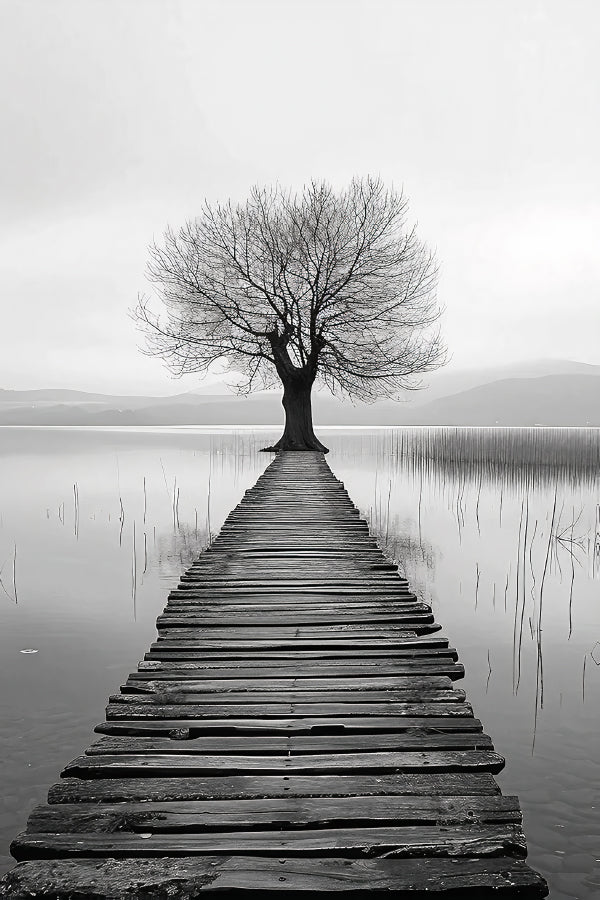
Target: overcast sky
(120,116)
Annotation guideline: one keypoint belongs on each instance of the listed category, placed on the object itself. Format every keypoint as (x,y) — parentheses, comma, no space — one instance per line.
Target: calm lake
(498,528)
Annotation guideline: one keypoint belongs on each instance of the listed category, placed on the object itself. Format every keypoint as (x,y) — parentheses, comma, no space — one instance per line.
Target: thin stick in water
(15,575)
(539,687)
(208,509)
(76,510)
(572,577)
(134,573)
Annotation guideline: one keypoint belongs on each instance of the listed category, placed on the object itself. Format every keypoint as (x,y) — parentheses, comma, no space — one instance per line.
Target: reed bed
(517,457)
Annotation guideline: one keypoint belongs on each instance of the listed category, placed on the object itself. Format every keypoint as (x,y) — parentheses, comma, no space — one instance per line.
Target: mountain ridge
(568,395)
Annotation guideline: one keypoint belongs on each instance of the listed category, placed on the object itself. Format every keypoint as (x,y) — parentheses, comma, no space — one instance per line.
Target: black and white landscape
(381,217)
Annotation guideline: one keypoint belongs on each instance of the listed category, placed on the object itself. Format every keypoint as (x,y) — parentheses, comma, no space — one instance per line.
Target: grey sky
(119,116)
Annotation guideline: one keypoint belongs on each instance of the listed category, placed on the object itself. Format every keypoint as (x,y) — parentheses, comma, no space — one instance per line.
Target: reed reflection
(500,528)
(519,458)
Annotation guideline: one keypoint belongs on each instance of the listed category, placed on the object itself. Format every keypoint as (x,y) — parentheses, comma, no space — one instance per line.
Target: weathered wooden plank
(279,613)
(344,525)
(248,574)
(278,659)
(178,650)
(339,589)
(371,584)
(251,550)
(335,534)
(213,555)
(280,567)
(126,709)
(264,668)
(283,600)
(206,643)
(307,672)
(266,519)
(424,703)
(362,691)
(395,713)
(182,618)
(322,720)
(193,711)
(297,633)
(193,604)
(268,540)
(288,568)
(408,841)
(217,682)
(394,761)
(302,637)
(407,669)
(266,718)
(334,538)
(213,567)
(332,524)
(276,607)
(407,683)
(324,812)
(320,647)
(255,876)
(422,738)
(361,649)
(277,579)
(271,736)
(291,581)
(247,787)
(334,507)
(397,703)
(219,562)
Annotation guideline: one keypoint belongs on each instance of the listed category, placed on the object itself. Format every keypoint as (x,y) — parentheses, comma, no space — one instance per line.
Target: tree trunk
(298,433)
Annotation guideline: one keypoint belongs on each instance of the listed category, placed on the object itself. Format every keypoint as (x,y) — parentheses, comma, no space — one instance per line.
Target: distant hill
(526,394)
(547,400)
(445,382)
(59,397)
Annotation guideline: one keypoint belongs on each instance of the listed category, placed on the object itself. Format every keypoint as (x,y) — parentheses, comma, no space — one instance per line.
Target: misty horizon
(227,380)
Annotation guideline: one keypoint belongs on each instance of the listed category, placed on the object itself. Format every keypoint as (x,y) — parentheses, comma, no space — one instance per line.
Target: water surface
(498,528)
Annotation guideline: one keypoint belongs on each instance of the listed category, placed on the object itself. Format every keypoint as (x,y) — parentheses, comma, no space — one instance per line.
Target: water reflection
(516,457)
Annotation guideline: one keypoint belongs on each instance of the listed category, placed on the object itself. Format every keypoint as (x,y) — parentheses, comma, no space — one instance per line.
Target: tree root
(280,445)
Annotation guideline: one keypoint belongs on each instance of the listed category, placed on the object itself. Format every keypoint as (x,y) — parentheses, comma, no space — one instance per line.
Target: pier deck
(296,730)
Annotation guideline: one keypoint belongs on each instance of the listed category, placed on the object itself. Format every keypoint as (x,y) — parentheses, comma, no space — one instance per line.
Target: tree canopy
(319,286)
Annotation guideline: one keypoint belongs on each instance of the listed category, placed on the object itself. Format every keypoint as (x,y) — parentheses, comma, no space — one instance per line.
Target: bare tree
(323,286)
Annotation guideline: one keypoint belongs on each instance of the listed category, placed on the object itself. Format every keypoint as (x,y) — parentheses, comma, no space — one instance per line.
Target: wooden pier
(295,730)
